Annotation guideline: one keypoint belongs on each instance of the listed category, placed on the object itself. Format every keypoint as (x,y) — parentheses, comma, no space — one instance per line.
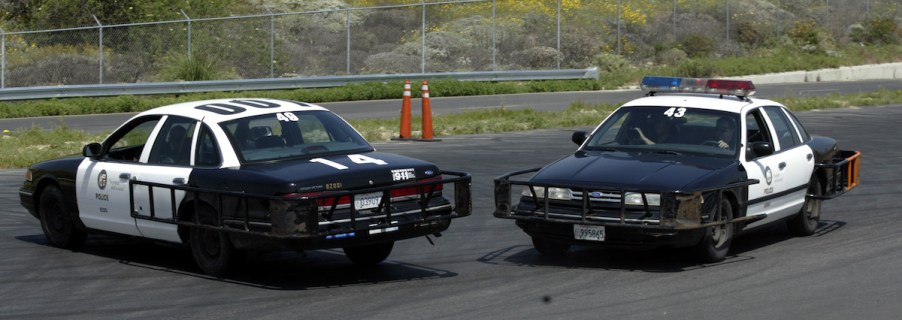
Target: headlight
(635,199)
(553,193)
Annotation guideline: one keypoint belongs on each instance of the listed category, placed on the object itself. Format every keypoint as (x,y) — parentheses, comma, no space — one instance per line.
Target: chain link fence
(423,37)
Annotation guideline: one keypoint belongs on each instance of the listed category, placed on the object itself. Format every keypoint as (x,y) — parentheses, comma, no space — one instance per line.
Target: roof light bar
(740,88)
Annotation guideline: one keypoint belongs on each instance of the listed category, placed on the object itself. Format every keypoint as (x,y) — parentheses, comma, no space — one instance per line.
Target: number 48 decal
(286,117)
(356,158)
(675,112)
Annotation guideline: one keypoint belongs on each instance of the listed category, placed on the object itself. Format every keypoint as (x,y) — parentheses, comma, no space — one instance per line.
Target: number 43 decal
(675,112)
(356,158)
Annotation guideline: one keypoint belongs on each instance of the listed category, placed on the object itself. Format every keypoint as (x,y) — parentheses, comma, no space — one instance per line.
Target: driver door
(102,183)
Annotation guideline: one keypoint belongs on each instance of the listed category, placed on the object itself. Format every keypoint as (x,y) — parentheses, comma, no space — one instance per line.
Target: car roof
(703,101)
(190,109)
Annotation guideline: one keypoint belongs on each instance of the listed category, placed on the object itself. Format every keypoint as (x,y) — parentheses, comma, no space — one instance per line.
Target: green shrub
(193,67)
(697,46)
(696,69)
(611,63)
(537,58)
(671,57)
(880,30)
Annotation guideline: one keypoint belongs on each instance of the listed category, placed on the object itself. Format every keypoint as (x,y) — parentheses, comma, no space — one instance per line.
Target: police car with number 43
(690,165)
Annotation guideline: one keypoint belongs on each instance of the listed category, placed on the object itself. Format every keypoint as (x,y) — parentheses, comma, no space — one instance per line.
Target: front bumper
(679,219)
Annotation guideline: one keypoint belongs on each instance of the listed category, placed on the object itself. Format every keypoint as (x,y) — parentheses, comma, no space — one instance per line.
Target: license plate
(586,232)
(367,200)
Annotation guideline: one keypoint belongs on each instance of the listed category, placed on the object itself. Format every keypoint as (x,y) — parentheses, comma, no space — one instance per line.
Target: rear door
(169,164)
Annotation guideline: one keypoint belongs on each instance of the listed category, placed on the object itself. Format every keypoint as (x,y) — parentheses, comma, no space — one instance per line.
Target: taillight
(322,202)
(409,191)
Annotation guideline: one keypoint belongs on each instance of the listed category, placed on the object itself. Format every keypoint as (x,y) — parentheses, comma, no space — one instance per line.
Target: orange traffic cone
(405,113)
(427,114)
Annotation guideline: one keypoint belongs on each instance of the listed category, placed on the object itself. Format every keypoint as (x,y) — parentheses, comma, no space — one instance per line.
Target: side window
(785,132)
(173,145)
(802,132)
(756,128)
(128,143)
(207,149)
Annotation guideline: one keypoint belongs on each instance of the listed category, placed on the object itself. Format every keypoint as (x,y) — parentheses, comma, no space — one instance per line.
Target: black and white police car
(690,165)
(228,175)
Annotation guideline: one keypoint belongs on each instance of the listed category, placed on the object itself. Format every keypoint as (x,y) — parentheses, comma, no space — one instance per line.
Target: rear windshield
(296,134)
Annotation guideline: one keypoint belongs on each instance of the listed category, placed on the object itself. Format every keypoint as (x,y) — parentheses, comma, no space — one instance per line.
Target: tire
(806,221)
(717,240)
(57,221)
(369,255)
(212,250)
(550,248)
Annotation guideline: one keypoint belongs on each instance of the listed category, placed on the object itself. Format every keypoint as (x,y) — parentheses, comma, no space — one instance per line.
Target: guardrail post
(348,50)
(100,40)
(3,58)
(188,19)
(494,37)
(423,34)
(272,42)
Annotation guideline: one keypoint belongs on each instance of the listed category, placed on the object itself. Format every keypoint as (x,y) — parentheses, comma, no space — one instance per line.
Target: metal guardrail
(97,90)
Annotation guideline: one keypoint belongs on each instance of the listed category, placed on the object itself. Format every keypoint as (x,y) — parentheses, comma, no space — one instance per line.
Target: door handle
(809,156)
(125,176)
(782,165)
(178,181)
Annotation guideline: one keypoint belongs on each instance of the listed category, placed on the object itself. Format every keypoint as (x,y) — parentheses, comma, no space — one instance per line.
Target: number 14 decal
(356,158)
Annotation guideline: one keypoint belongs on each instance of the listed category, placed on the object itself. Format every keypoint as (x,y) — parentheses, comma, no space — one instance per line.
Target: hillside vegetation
(699,38)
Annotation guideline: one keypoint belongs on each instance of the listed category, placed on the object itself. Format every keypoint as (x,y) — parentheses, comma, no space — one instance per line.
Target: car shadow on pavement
(665,259)
(317,269)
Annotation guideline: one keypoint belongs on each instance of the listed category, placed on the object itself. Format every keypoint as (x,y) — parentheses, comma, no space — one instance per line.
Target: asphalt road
(387,109)
(485,268)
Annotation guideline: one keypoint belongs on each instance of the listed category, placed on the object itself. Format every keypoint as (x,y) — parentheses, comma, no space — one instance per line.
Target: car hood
(337,172)
(640,171)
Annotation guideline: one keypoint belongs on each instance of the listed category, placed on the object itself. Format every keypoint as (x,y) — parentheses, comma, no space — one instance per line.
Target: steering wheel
(713,143)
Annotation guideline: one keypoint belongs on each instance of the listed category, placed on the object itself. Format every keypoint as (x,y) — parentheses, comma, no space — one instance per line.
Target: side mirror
(760,149)
(579,137)
(92,150)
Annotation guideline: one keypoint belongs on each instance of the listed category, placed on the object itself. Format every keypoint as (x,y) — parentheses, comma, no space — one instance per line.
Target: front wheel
(369,255)
(716,243)
(56,220)
(805,222)
(212,250)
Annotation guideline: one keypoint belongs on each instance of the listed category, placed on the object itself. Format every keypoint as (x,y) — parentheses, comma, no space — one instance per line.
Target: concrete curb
(866,72)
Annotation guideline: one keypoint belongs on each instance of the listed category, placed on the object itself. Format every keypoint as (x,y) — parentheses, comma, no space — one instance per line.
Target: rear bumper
(247,241)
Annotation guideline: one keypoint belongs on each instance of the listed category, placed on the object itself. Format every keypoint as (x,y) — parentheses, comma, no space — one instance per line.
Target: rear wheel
(805,222)
(56,220)
(716,243)
(212,250)
(369,255)
(550,248)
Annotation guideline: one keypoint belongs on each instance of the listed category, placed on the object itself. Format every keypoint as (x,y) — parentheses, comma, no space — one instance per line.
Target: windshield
(668,129)
(292,134)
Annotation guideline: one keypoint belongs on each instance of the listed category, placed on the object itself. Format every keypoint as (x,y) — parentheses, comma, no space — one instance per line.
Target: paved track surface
(485,267)
(388,109)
